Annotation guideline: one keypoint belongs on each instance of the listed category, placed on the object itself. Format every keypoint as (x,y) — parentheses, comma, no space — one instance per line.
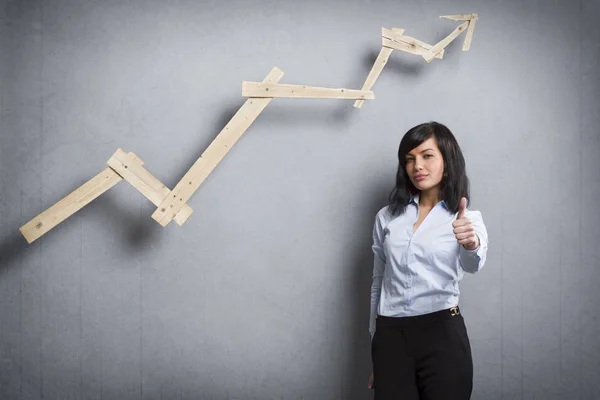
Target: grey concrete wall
(264,293)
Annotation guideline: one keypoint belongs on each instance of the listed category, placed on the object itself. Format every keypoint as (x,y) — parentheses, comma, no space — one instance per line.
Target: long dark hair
(454,184)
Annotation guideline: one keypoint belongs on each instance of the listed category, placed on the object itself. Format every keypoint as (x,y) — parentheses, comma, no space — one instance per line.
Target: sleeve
(378,268)
(473,260)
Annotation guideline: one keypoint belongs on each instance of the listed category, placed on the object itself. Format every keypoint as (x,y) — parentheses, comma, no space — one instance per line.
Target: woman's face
(425,165)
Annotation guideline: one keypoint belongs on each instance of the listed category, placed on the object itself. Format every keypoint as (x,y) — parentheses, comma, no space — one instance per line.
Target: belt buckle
(454,311)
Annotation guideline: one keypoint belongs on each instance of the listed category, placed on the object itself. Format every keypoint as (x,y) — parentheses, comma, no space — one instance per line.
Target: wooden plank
(416,46)
(145,182)
(215,152)
(403,46)
(270,90)
(458,17)
(72,203)
(382,59)
(445,42)
(470,30)
(380,62)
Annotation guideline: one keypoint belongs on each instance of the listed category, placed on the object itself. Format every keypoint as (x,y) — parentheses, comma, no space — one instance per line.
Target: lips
(420,177)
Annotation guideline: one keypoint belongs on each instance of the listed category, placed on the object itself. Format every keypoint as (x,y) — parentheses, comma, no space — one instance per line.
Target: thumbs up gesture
(463,229)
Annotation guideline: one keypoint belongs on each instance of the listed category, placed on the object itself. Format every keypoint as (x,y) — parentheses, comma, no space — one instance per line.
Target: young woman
(424,241)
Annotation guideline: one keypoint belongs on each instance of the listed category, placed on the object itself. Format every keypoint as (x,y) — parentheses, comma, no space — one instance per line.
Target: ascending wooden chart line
(394,39)
(172,204)
(260,95)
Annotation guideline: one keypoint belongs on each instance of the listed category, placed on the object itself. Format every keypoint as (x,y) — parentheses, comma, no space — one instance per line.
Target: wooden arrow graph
(172,204)
(394,39)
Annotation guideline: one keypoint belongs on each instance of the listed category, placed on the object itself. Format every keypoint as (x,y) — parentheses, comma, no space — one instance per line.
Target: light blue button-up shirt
(418,273)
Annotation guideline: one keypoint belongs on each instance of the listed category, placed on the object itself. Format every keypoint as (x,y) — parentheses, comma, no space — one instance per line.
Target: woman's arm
(473,260)
(378,268)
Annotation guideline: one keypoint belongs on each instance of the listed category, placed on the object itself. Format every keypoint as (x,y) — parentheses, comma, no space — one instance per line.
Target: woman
(423,242)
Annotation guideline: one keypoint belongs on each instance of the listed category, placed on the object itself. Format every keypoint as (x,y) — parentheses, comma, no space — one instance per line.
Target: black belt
(441,315)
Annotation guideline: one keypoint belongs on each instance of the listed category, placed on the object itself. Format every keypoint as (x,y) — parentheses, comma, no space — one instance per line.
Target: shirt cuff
(471,259)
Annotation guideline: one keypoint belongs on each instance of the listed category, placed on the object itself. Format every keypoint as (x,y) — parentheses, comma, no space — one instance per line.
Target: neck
(429,198)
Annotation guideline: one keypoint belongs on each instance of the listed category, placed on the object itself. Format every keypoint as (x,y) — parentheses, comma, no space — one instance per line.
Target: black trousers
(425,357)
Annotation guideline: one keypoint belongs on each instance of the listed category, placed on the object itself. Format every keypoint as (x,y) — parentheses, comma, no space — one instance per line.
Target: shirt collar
(415,199)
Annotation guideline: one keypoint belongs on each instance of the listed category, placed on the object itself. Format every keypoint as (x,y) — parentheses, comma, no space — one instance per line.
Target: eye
(409,160)
(428,156)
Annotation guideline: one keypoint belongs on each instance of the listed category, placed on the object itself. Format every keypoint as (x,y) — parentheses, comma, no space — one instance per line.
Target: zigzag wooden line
(171,204)
(215,152)
(394,39)
(260,95)
(131,168)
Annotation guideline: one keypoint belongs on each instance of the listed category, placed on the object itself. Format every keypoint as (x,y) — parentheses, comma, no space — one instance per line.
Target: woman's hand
(463,229)
(371,382)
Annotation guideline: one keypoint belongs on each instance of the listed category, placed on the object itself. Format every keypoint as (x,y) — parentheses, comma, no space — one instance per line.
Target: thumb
(462,206)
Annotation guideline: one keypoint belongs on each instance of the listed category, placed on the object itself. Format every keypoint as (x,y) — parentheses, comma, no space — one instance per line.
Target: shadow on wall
(358,291)
(136,231)
(280,113)
(11,249)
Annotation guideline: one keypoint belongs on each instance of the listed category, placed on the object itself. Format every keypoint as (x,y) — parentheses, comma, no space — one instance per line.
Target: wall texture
(264,293)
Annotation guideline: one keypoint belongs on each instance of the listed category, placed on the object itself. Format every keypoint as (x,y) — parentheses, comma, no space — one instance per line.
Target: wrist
(474,245)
